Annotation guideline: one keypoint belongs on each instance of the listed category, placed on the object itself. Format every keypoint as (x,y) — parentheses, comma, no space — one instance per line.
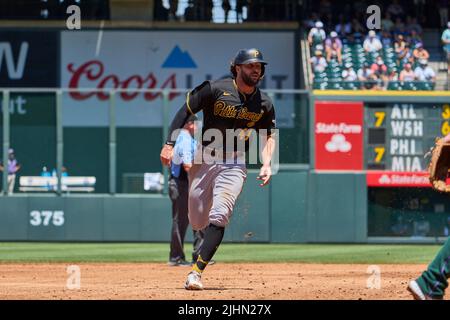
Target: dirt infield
(291,281)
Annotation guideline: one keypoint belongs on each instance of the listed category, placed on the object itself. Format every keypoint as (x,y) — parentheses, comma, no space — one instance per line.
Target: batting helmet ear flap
(233,69)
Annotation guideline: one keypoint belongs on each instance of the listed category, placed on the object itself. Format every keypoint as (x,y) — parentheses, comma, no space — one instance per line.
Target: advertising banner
(339,135)
(28,58)
(162,60)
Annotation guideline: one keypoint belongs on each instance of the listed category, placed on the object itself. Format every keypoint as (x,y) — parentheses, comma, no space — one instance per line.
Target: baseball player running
(229,106)
(432,283)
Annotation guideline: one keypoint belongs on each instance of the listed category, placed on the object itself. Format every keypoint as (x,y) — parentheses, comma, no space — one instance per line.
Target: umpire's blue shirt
(183,152)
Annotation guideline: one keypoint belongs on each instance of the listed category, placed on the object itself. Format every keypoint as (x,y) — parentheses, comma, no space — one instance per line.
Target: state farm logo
(334,128)
(410,179)
(338,143)
(384,179)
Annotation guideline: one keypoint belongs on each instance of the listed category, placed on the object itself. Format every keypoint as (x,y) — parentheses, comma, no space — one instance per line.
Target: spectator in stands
(240,4)
(64,172)
(372,43)
(45,172)
(348,74)
(443,11)
(365,75)
(380,69)
(387,24)
(364,72)
(399,44)
(386,39)
(208,5)
(318,62)
(190,11)
(310,22)
(400,28)
(414,38)
(395,10)
(13,167)
(420,52)
(424,72)
(333,47)
(374,83)
(413,25)
(407,74)
(160,12)
(226,6)
(203,9)
(351,39)
(316,35)
(358,30)
(173,8)
(446,41)
(393,75)
(405,56)
(343,28)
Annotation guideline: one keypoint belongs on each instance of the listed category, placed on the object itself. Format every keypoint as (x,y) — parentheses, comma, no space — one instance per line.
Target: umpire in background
(183,156)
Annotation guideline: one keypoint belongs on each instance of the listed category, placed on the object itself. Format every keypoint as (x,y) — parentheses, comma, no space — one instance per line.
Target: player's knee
(219,220)
(198,225)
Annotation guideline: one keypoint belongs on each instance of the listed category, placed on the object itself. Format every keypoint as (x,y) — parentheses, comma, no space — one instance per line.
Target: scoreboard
(398,135)
(397,129)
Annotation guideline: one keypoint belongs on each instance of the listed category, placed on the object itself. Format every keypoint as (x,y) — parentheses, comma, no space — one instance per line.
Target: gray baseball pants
(213,191)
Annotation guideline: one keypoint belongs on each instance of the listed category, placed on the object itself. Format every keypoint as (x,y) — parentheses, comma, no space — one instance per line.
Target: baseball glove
(439,165)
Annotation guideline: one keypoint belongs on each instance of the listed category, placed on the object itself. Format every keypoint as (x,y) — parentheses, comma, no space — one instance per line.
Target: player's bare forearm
(266,172)
(166,155)
(267,151)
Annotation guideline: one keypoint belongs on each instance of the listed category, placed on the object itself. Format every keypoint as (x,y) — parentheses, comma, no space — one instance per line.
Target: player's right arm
(195,100)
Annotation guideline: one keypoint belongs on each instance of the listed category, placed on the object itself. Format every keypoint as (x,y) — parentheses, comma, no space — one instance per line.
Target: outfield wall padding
(298,206)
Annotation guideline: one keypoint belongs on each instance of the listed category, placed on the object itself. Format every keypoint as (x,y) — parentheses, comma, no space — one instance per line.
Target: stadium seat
(394,85)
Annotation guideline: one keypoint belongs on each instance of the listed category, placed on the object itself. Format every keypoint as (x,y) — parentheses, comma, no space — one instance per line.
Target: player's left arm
(268,149)
(266,172)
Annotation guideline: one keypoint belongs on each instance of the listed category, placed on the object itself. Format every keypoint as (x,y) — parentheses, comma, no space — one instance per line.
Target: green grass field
(158,252)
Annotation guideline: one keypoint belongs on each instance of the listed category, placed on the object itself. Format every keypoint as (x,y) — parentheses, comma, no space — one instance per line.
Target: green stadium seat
(408,86)
(394,85)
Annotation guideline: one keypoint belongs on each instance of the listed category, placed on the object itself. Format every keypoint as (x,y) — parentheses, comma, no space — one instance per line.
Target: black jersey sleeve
(268,122)
(195,101)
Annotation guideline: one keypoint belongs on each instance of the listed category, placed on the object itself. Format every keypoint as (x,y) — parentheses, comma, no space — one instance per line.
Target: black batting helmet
(245,56)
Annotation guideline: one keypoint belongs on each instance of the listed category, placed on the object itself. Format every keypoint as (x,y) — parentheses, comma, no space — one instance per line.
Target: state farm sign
(398,179)
(339,135)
